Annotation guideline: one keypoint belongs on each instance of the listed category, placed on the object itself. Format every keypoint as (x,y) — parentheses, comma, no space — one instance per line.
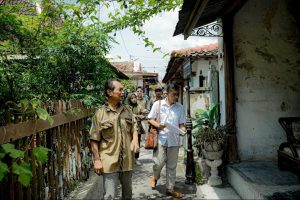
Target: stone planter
(214,179)
(213,160)
(204,168)
(212,155)
(212,146)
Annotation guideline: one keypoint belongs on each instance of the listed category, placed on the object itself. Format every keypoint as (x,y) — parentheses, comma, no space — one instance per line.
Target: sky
(160,31)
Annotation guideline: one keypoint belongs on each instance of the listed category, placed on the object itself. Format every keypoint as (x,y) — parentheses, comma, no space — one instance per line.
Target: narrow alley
(92,189)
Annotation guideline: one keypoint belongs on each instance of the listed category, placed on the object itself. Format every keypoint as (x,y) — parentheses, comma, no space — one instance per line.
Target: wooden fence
(69,160)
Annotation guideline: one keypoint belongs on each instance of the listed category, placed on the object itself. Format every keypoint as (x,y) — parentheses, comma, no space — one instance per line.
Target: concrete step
(263,180)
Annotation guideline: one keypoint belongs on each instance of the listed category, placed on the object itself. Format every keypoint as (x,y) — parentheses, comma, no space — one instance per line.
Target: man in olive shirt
(114,140)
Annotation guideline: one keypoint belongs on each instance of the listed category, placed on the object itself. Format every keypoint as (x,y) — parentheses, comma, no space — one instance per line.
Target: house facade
(259,61)
(203,79)
(136,74)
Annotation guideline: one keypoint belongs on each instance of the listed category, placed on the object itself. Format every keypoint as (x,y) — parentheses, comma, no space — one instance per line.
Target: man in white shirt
(167,151)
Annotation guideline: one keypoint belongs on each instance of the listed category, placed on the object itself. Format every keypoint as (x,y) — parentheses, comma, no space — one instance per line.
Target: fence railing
(69,159)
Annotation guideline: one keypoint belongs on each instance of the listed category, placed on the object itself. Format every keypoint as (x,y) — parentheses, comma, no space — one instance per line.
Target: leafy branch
(21,168)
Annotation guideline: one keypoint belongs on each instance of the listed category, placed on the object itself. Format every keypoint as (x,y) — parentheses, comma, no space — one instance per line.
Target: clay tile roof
(123,66)
(211,49)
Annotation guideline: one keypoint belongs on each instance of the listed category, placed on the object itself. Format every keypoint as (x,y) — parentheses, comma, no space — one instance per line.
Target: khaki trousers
(169,156)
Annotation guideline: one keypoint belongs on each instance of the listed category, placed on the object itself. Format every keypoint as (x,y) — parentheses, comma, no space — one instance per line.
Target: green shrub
(199,178)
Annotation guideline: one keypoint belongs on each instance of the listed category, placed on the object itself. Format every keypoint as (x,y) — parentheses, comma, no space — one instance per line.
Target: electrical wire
(124,45)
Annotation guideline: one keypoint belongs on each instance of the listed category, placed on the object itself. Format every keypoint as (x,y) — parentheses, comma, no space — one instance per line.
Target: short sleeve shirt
(114,143)
(173,114)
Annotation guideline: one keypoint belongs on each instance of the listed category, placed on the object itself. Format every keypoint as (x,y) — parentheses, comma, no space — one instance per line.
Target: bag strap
(158,111)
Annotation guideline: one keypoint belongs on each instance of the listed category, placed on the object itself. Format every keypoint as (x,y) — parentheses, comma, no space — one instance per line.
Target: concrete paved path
(93,188)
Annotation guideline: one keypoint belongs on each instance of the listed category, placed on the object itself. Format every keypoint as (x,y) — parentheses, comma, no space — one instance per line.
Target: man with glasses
(167,151)
(114,140)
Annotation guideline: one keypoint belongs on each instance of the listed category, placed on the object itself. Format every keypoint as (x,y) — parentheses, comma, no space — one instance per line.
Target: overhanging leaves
(41,153)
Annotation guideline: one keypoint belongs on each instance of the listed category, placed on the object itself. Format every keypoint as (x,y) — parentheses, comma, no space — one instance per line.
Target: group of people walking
(116,137)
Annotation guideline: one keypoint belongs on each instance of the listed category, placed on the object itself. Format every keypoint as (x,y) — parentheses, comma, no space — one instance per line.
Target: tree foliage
(60,54)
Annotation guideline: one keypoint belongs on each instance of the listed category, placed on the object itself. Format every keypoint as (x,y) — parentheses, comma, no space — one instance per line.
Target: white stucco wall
(196,67)
(267,76)
(197,100)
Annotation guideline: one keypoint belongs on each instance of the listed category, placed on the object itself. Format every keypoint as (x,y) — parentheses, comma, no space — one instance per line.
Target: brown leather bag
(152,140)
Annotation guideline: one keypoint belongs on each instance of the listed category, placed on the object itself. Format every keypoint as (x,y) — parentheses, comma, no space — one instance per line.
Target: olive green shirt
(114,142)
(142,103)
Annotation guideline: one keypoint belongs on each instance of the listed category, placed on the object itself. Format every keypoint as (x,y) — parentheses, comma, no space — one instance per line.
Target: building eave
(194,14)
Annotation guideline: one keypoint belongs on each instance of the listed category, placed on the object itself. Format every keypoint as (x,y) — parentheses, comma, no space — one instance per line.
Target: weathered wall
(220,68)
(267,75)
(197,100)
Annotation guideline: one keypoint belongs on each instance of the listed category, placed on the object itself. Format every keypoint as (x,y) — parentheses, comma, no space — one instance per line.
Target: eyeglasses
(174,94)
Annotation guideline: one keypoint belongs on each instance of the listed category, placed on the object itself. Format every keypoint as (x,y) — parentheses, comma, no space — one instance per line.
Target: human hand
(134,146)
(161,126)
(140,117)
(98,167)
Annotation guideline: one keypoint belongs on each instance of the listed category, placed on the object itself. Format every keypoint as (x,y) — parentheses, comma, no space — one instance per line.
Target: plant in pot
(209,135)
(209,139)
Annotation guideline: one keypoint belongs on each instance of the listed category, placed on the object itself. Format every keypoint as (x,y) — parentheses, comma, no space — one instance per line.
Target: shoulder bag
(151,141)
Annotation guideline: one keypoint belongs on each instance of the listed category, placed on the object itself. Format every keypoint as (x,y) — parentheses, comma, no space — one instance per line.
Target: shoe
(153,182)
(173,193)
(137,162)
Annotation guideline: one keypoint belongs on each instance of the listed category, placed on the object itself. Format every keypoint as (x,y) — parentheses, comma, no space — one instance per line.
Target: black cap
(158,89)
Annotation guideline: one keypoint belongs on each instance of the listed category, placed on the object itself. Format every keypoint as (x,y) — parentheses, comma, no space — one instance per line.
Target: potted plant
(209,139)
(209,135)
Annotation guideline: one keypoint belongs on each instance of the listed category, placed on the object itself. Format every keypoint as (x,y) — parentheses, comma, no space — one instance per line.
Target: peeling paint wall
(203,100)
(267,75)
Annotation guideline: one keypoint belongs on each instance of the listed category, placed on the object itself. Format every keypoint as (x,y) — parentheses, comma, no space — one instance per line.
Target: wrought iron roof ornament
(214,29)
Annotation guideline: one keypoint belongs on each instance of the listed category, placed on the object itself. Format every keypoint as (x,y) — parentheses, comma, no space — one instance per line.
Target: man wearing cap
(158,96)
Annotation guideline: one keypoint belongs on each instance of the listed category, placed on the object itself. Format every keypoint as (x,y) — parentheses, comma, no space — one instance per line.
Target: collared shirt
(151,102)
(114,143)
(137,110)
(142,102)
(173,114)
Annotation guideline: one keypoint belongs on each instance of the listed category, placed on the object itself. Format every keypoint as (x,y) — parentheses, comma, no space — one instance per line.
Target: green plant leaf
(35,103)
(24,104)
(24,179)
(41,153)
(42,113)
(16,154)
(50,120)
(3,170)
(24,172)
(2,155)
(8,147)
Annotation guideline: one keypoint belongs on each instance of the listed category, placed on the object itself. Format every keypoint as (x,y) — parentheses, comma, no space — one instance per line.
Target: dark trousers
(137,155)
